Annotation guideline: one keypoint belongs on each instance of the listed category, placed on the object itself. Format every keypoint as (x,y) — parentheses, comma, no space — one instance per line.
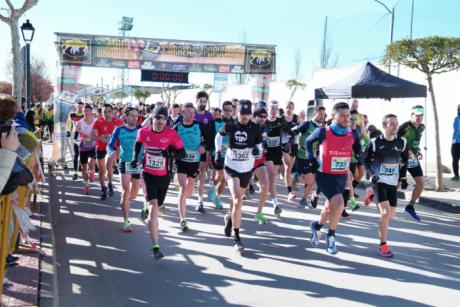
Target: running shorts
(385,192)
(155,187)
(331,184)
(85,155)
(191,169)
(245,178)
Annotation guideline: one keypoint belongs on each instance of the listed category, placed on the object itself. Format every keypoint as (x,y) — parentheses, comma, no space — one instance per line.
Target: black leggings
(455,150)
(76,151)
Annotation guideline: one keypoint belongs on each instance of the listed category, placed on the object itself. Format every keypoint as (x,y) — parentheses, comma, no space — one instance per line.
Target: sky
(358,30)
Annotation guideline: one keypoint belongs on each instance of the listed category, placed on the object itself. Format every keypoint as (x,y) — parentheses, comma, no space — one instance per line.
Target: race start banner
(165,54)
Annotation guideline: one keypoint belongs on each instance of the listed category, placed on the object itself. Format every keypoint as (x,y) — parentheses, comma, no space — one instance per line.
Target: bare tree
(12,21)
(327,61)
(169,94)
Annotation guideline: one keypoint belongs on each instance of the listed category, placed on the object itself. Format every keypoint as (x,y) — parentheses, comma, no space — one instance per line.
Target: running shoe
(314,202)
(157,254)
(162,209)
(251,189)
(86,190)
(303,202)
(260,217)
(218,203)
(238,246)
(228,225)
(330,245)
(127,227)
(258,187)
(200,207)
(145,211)
(385,251)
(411,211)
(455,178)
(277,211)
(246,195)
(212,193)
(369,197)
(103,193)
(75,176)
(291,196)
(354,205)
(110,189)
(315,234)
(92,176)
(346,216)
(184,225)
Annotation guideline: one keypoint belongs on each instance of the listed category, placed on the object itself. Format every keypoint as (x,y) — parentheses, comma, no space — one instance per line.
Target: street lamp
(28,32)
(392,12)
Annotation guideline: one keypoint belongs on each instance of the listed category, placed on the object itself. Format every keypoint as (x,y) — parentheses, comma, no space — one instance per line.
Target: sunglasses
(228,110)
(160,117)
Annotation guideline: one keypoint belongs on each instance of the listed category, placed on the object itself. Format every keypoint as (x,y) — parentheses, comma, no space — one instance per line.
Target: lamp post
(392,12)
(28,35)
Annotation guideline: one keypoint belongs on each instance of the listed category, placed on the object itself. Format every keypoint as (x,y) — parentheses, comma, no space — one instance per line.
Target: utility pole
(124,26)
(411,19)
(392,12)
(323,51)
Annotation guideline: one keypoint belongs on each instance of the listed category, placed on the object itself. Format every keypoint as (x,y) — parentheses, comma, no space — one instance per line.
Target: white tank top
(85,132)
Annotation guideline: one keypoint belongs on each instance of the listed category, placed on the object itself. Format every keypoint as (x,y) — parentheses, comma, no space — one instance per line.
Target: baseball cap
(262,104)
(418,110)
(259,112)
(244,107)
(160,110)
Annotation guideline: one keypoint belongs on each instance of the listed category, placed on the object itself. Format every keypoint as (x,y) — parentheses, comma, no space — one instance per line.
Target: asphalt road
(99,265)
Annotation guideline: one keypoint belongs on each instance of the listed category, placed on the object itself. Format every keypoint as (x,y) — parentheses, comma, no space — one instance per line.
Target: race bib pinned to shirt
(272,141)
(155,162)
(387,169)
(240,154)
(340,163)
(412,162)
(192,156)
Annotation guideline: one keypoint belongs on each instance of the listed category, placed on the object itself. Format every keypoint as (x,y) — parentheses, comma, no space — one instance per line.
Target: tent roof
(371,82)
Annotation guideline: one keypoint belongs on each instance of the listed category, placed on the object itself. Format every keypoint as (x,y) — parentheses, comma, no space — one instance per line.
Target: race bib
(192,156)
(155,162)
(387,169)
(412,162)
(130,170)
(87,143)
(240,155)
(340,164)
(272,141)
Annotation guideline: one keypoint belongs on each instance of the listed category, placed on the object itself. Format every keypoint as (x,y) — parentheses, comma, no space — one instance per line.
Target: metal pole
(391,34)
(411,19)
(323,53)
(28,94)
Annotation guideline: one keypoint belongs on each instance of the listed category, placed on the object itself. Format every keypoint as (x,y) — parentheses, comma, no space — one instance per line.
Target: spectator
(455,150)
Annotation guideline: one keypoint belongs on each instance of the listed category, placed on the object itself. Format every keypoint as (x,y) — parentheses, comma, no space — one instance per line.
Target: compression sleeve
(318,135)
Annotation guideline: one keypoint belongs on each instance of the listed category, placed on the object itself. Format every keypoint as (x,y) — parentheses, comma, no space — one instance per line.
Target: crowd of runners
(243,146)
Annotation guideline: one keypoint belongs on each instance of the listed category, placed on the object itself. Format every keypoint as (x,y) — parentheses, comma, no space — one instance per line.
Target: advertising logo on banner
(185,56)
(260,60)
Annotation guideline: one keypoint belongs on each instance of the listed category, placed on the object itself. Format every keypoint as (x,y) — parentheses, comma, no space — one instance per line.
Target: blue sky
(358,29)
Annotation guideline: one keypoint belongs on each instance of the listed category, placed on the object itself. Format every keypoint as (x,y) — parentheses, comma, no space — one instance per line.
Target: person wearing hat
(217,189)
(412,130)
(260,170)
(159,144)
(244,144)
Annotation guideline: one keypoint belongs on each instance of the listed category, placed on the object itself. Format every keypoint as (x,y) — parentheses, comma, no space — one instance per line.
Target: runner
(245,142)
(158,144)
(87,146)
(204,117)
(303,167)
(175,116)
(260,170)
(194,137)
(382,160)
(412,131)
(72,121)
(125,137)
(273,131)
(335,151)
(102,131)
(290,145)
(218,162)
